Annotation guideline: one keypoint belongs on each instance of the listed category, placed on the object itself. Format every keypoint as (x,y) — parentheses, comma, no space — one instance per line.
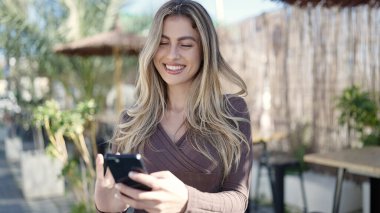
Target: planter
(13,149)
(40,175)
(3,132)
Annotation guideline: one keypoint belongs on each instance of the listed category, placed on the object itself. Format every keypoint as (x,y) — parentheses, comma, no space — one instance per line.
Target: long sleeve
(206,189)
(226,201)
(234,193)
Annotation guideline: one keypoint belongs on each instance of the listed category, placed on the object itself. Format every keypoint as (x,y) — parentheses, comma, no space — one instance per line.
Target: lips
(174,69)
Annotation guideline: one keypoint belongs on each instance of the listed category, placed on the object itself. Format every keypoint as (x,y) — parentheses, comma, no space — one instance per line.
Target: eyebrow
(182,38)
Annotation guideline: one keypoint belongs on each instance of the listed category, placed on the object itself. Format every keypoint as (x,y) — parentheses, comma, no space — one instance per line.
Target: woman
(195,141)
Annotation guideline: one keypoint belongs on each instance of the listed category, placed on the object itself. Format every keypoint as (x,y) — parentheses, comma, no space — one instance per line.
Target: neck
(177,98)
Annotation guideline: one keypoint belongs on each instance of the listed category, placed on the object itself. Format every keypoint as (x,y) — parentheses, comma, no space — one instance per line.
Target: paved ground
(11,198)
(261,209)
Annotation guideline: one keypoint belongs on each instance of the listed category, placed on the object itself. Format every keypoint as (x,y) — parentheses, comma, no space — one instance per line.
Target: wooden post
(117,80)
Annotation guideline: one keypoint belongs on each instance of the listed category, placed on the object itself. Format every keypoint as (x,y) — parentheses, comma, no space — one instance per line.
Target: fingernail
(131,174)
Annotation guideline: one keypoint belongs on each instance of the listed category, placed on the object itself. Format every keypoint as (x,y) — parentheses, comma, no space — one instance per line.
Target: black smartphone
(121,165)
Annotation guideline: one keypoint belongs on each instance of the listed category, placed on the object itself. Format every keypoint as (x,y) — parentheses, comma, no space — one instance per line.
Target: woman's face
(178,57)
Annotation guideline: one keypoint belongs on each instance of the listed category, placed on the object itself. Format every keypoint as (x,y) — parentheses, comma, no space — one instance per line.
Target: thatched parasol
(103,44)
(332,3)
(114,43)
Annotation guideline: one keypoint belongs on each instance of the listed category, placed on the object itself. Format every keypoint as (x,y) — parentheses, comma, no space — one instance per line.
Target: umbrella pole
(117,80)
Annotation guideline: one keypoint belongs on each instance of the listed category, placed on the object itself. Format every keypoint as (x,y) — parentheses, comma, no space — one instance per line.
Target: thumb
(99,167)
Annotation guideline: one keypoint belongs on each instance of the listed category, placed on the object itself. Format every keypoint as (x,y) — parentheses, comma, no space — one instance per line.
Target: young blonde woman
(195,141)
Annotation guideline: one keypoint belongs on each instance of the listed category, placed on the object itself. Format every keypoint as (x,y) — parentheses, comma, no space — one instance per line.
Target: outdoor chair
(277,163)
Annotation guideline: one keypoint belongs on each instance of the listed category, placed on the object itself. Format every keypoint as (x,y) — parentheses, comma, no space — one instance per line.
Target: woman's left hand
(169,194)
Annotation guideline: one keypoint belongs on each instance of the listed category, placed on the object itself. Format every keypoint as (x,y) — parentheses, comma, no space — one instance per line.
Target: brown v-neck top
(207,192)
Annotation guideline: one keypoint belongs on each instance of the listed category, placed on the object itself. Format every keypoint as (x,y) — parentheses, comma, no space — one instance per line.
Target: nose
(173,52)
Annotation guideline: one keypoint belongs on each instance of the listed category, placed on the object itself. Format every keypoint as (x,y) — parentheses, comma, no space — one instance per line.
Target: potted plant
(66,133)
(359,112)
(9,109)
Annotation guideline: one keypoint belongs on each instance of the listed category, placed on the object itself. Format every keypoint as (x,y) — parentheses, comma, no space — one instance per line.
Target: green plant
(29,31)
(49,117)
(68,126)
(360,113)
(299,142)
(81,184)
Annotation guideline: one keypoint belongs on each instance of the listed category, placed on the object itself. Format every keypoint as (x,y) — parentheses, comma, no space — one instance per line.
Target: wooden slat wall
(331,3)
(306,57)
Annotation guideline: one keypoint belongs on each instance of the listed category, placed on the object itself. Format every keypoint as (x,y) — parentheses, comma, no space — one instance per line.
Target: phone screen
(121,165)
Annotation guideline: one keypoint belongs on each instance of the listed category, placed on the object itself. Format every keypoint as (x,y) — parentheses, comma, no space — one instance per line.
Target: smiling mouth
(174,69)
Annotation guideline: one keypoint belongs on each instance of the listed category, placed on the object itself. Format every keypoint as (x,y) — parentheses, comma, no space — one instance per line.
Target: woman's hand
(169,194)
(106,196)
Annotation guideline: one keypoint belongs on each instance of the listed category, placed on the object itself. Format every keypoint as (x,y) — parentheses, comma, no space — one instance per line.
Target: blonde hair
(207,112)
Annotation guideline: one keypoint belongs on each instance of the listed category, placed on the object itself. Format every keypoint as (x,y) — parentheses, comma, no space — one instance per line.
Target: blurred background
(68,67)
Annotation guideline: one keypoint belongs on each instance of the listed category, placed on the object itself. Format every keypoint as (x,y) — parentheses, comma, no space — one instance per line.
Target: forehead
(176,26)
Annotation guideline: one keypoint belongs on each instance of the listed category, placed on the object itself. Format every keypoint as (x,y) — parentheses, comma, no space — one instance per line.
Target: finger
(99,167)
(108,175)
(145,179)
(107,179)
(137,194)
(162,174)
(132,202)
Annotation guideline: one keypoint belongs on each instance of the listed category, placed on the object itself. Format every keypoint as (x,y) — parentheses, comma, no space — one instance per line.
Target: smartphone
(121,165)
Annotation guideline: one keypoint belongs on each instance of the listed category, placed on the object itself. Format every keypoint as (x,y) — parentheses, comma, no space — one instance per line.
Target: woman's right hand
(105,191)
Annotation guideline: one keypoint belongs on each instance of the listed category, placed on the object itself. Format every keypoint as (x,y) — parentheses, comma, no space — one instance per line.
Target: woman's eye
(186,45)
(163,43)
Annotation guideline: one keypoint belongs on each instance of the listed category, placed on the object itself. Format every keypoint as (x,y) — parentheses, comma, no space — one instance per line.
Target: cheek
(158,56)
(156,61)
(158,68)
(197,58)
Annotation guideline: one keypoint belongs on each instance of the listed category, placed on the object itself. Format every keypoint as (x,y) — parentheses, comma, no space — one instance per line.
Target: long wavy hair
(208,120)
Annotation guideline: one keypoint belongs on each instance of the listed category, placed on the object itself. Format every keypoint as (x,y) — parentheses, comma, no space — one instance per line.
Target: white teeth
(174,68)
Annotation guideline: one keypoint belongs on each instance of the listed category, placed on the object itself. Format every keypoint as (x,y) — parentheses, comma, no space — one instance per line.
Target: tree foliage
(29,30)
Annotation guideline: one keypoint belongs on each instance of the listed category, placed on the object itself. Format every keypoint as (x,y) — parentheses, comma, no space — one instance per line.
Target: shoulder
(236,105)
(124,117)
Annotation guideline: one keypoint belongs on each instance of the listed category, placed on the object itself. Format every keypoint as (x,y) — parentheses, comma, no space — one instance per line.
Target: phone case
(121,165)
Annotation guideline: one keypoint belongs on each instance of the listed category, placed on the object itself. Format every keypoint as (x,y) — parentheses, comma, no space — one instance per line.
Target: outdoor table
(364,161)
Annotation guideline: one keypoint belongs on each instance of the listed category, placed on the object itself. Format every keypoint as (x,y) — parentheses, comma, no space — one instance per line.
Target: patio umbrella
(114,43)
